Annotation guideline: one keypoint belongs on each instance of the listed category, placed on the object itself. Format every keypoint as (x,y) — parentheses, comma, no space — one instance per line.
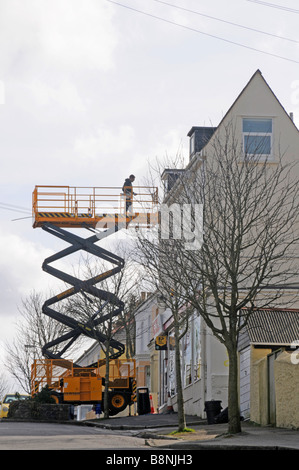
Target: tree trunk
(180,398)
(234,425)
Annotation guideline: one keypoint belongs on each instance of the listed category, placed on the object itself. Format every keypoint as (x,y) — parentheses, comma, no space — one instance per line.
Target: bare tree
(250,233)
(33,330)
(245,259)
(159,260)
(3,385)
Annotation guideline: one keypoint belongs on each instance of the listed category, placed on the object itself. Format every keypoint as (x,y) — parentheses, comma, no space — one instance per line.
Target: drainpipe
(203,342)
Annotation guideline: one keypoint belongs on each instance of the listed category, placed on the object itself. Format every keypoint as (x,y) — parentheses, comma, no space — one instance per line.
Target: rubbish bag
(222,417)
(212,409)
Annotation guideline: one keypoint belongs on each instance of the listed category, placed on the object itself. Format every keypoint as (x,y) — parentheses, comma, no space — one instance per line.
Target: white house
(257,117)
(204,365)
(143,324)
(258,120)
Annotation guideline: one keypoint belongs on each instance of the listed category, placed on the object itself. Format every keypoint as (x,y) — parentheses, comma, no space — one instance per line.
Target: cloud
(40,35)
(51,60)
(79,34)
(105,142)
(65,94)
(20,268)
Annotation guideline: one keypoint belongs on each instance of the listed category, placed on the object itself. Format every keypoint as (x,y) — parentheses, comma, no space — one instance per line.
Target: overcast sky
(91,91)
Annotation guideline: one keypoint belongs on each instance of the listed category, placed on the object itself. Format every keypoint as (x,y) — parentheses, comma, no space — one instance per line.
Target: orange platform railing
(69,206)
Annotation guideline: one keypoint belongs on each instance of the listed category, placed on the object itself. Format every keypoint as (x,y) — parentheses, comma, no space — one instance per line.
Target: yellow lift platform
(72,207)
(103,212)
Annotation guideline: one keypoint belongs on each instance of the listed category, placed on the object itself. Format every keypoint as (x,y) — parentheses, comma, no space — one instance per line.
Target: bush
(44,396)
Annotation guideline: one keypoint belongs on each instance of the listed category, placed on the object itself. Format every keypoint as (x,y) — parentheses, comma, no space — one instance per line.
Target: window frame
(192,145)
(261,156)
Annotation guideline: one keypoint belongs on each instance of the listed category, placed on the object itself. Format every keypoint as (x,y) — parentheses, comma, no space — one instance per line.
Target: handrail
(91,202)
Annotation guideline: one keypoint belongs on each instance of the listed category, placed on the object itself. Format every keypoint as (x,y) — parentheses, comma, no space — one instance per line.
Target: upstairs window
(192,144)
(257,137)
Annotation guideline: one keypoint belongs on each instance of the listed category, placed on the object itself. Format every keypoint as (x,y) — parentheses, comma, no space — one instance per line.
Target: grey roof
(273,327)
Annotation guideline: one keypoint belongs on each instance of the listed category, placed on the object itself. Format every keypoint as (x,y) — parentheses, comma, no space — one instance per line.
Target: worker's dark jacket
(127,187)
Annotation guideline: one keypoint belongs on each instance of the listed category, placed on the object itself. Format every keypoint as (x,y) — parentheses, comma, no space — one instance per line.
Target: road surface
(52,436)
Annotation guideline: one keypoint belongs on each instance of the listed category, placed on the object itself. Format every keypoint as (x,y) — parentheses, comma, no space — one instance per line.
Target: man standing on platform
(128,192)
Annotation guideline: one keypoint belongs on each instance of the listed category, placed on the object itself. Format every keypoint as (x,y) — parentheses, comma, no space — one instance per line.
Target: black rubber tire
(117,403)
(58,397)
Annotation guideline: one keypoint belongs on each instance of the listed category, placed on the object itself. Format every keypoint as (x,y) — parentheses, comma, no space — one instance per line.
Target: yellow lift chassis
(101,211)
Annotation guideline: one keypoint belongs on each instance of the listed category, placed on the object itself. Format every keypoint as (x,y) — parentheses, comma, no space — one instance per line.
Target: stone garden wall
(31,410)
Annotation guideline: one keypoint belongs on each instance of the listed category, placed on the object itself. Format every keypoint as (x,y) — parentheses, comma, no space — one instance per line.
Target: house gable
(258,101)
(256,98)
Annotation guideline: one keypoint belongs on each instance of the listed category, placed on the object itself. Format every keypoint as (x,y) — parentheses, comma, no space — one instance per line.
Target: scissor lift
(101,211)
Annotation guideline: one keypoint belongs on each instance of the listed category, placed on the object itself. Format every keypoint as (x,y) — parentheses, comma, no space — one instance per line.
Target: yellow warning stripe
(134,389)
(61,214)
(55,214)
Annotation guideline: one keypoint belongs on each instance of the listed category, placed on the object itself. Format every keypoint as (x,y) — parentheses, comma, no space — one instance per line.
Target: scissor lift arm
(56,210)
(85,287)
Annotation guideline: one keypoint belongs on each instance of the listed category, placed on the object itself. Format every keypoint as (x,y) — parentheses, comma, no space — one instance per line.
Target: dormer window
(192,144)
(257,137)
(169,177)
(199,137)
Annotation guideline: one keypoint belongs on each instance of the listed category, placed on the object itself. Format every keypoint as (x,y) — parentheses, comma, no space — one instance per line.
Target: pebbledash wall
(286,375)
(285,384)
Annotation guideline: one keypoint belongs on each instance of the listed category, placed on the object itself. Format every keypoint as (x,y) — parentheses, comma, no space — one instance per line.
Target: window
(257,137)
(11,398)
(171,365)
(187,350)
(191,352)
(192,144)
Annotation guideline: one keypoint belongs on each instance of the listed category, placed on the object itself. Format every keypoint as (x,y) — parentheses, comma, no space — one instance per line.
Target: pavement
(156,429)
